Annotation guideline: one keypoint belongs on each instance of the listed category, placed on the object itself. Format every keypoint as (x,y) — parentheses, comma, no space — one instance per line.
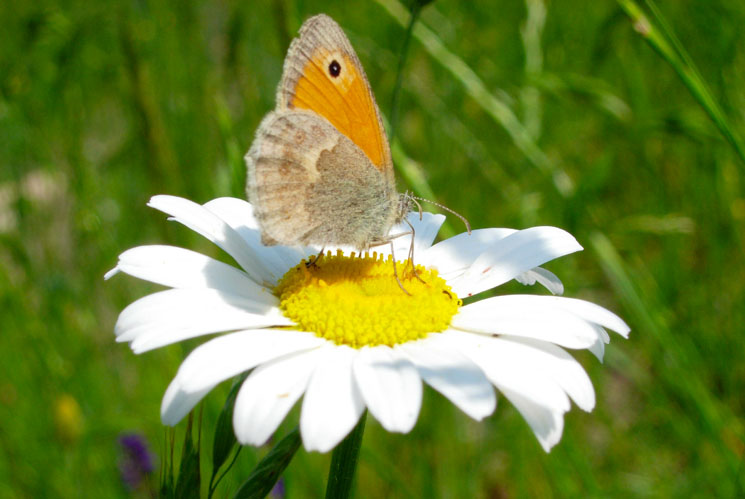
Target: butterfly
(320,170)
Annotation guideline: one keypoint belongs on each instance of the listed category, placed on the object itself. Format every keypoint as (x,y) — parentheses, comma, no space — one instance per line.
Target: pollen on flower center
(357,301)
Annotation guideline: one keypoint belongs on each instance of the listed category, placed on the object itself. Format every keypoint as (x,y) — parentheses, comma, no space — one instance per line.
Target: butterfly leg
(312,263)
(411,251)
(410,258)
(389,240)
(395,272)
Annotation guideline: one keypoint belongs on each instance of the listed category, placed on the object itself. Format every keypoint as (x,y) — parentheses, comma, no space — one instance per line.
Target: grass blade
(664,42)
(476,89)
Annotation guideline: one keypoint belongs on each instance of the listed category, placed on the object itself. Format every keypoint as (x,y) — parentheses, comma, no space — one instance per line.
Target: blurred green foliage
(105,104)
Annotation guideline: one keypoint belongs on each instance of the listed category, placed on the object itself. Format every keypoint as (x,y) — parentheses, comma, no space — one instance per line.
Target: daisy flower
(343,335)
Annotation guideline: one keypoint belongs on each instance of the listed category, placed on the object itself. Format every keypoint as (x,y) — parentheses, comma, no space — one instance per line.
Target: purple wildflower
(136,462)
(279,489)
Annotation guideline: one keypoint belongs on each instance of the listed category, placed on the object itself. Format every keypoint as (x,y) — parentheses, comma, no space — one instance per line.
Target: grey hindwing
(310,184)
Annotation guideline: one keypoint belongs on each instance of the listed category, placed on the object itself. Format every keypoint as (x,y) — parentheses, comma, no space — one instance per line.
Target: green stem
(344,463)
(266,474)
(214,483)
(416,9)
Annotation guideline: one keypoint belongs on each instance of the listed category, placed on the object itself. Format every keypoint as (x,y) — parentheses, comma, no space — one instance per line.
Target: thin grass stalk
(416,9)
(530,94)
(499,110)
(664,42)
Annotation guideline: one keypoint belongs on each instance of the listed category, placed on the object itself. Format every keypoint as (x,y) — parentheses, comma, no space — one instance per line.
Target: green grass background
(570,119)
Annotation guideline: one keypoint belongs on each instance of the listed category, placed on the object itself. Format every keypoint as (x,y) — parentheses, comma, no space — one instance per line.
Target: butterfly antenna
(441,206)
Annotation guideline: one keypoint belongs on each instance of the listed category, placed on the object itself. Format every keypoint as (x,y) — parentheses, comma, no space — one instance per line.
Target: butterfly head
(405,201)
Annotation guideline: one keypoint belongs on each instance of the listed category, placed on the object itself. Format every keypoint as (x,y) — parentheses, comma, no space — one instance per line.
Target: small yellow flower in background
(345,337)
(68,418)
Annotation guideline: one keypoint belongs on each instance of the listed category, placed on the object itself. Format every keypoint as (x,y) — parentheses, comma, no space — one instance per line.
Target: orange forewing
(345,102)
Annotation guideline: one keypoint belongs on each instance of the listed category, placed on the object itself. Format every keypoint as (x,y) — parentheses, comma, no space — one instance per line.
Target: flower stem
(344,463)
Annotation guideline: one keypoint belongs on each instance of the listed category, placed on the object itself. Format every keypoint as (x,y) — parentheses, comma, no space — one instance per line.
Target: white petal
(557,365)
(209,225)
(529,316)
(453,256)
(226,356)
(174,315)
(111,273)
(534,376)
(240,216)
(390,386)
(534,307)
(453,375)
(544,277)
(598,349)
(268,395)
(510,368)
(592,313)
(332,405)
(603,334)
(512,256)
(182,268)
(178,403)
(547,423)
(238,213)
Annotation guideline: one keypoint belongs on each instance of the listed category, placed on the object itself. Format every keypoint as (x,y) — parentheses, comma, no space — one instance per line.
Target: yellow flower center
(357,301)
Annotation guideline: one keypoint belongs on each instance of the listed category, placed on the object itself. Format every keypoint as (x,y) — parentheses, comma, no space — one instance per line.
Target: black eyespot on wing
(334,68)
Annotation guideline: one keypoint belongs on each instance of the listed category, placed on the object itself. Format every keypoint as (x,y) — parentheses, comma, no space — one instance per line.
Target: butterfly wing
(312,185)
(323,74)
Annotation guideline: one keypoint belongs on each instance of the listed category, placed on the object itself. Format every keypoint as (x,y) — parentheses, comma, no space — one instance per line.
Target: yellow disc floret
(357,301)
